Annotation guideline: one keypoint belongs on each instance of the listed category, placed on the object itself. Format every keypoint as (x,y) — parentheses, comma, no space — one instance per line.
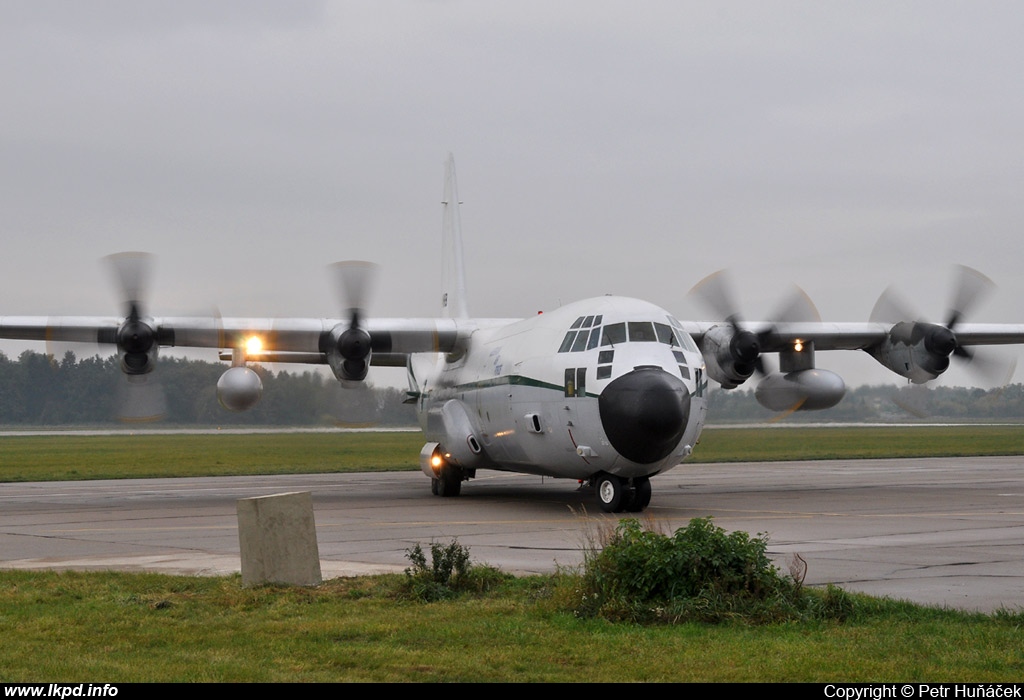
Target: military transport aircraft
(609,391)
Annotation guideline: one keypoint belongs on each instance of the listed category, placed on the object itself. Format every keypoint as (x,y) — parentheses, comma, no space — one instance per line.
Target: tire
(449,484)
(610,491)
(641,495)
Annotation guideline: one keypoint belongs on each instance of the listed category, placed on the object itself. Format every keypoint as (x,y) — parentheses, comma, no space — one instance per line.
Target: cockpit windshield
(587,333)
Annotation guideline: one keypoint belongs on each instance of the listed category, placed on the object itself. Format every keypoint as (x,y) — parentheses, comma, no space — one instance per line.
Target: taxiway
(947,532)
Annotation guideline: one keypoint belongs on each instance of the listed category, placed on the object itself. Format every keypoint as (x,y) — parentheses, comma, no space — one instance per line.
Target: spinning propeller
(141,398)
(355,405)
(716,292)
(970,288)
(350,355)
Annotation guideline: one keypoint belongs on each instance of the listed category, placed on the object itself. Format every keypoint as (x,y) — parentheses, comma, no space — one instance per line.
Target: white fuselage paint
(511,381)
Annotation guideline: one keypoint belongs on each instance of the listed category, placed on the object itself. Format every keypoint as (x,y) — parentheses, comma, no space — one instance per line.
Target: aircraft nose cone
(644,413)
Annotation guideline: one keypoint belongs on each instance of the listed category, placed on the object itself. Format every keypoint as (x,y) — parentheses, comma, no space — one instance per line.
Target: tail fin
(453,277)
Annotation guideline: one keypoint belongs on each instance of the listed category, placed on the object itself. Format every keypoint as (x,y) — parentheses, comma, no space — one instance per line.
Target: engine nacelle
(802,390)
(136,347)
(348,353)
(730,355)
(239,389)
(918,351)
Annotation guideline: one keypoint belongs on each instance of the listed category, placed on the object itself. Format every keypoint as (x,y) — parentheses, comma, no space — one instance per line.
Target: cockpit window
(641,332)
(614,333)
(683,337)
(587,333)
(686,341)
(665,334)
(580,344)
(586,338)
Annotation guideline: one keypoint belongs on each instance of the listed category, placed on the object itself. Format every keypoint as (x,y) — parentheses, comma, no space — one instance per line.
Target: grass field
(116,627)
(57,457)
(113,627)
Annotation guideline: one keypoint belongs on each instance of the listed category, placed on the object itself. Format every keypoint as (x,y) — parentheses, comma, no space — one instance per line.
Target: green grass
(772,444)
(110,627)
(60,457)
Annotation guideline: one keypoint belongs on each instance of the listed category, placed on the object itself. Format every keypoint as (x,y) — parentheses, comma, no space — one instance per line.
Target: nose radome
(644,413)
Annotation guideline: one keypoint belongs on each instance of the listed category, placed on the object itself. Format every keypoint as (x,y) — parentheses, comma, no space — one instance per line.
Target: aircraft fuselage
(605,385)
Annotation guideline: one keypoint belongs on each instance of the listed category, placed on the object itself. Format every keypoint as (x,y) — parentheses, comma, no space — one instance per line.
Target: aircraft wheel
(449,484)
(641,495)
(628,497)
(435,486)
(610,492)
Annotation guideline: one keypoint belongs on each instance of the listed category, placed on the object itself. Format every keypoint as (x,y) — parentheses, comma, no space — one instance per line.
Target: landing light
(798,345)
(253,346)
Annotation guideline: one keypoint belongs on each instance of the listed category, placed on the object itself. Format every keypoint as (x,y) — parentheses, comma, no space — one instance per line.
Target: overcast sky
(602,147)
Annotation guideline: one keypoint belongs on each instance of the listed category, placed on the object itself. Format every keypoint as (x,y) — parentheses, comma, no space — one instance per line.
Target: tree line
(883,403)
(37,389)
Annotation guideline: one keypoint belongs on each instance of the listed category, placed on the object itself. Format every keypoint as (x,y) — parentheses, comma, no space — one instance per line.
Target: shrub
(449,572)
(701,572)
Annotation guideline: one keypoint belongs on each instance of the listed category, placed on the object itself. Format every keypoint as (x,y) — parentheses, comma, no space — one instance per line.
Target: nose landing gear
(616,495)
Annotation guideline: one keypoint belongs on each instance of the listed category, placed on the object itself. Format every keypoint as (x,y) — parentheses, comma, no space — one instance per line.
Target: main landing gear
(448,482)
(445,478)
(615,494)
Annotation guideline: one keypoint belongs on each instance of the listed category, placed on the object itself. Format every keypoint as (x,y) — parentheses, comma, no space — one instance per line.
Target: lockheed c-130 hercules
(610,391)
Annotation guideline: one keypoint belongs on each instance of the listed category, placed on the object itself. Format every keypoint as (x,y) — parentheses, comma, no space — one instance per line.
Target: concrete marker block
(277,540)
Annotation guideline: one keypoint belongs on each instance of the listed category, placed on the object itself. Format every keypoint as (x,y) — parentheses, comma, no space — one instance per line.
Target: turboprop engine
(136,344)
(136,339)
(348,346)
(731,354)
(348,352)
(916,350)
(921,351)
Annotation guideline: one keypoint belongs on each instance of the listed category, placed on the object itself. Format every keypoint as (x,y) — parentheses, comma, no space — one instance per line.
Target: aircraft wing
(917,350)
(856,336)
(277,335)
(70,329)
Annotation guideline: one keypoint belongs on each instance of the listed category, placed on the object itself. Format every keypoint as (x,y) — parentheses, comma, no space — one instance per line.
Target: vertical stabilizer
(453,275)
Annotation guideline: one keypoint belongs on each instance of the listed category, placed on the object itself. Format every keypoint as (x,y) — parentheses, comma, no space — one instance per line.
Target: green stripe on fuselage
(515,380)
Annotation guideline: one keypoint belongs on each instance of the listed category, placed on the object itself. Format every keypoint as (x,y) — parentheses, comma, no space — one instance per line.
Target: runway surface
(946,532)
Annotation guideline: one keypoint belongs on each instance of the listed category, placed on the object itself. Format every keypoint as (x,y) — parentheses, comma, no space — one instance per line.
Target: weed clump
(700,573)
(449,573)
